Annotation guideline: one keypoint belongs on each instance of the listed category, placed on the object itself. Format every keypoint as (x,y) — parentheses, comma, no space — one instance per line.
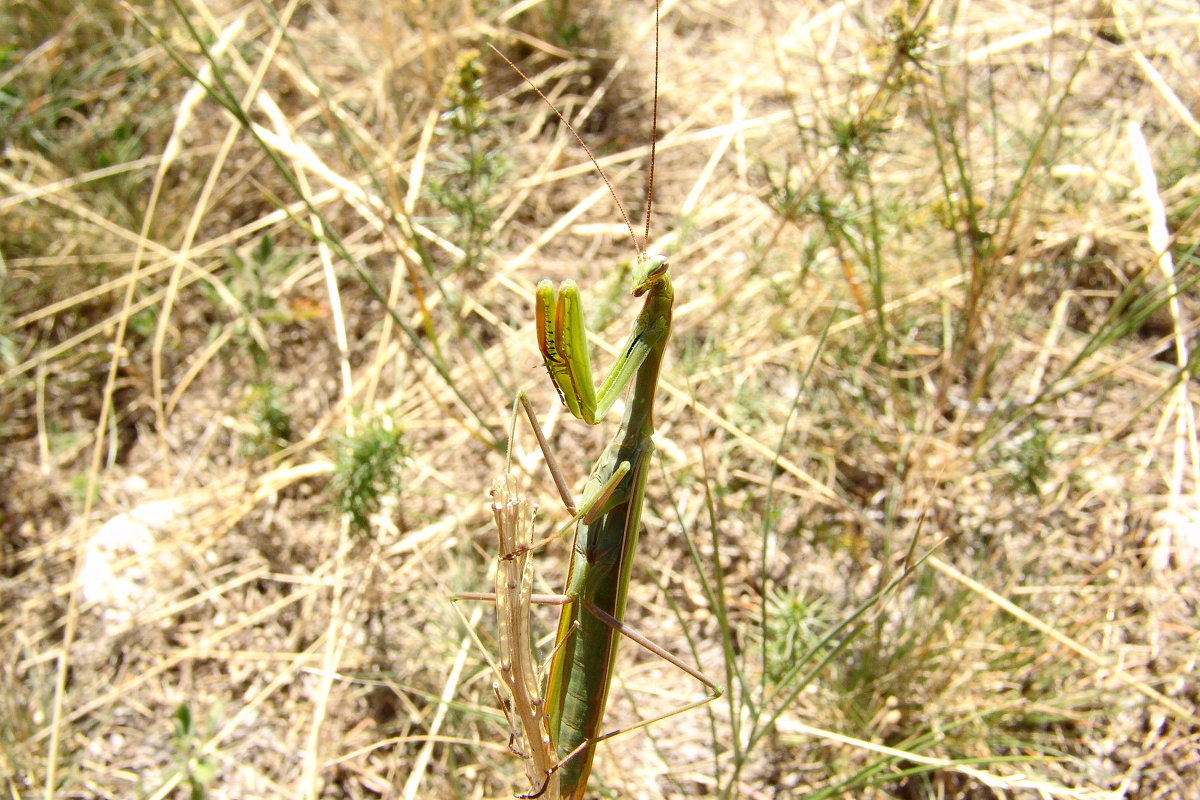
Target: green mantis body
(606,537)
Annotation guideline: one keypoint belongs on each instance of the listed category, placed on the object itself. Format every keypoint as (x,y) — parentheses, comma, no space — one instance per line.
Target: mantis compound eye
(656,265)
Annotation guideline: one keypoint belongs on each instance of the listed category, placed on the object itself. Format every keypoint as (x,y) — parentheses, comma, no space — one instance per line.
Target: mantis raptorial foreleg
(562,338)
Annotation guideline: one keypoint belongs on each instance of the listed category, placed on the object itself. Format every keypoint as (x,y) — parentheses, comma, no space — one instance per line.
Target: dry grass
(927,367)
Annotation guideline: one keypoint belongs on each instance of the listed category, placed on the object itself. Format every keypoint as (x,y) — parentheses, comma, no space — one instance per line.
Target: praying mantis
(561,729)
(606,535)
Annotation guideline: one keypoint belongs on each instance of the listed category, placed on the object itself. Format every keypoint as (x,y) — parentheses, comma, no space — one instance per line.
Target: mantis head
(648,271)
